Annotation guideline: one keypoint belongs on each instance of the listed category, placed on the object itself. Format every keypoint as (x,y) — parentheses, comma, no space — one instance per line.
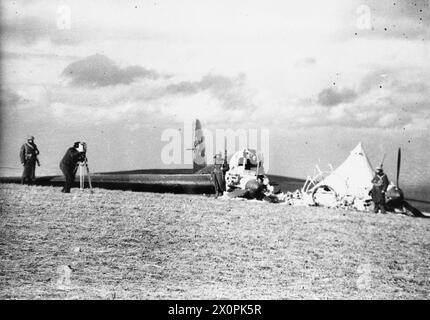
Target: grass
(126,245)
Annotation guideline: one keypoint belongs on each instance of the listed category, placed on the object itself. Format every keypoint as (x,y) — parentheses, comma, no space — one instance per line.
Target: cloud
(230,91)
(9,98)
(214,83)
(331,96)
(92,98)
(213,98)
(100,71)
(219,99)
(389,98)
(392,98)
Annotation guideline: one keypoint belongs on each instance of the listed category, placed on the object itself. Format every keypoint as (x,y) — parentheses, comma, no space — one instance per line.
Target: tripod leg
(89,177)
(81,177)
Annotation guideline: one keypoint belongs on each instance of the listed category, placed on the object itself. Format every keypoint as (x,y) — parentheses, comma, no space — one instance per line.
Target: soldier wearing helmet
(217,176)
(380,184)
(28,156)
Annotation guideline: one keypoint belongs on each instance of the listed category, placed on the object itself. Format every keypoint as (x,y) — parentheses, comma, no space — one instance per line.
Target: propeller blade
(399,154)
(413,210)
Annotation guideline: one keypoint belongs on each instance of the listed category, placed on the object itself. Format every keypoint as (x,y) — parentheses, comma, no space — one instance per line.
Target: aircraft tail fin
(199,148)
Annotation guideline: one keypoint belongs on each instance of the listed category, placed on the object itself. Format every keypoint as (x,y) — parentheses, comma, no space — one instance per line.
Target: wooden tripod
(83,169)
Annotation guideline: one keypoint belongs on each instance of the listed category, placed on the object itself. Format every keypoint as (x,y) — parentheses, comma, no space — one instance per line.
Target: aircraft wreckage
(347,186)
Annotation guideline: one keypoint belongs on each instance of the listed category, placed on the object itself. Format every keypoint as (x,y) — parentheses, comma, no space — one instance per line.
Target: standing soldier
(69,164)
(217,175)
(380,185)
(28,156)
(225,168)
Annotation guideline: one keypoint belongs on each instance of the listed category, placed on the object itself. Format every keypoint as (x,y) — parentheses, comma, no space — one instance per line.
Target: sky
(321,76)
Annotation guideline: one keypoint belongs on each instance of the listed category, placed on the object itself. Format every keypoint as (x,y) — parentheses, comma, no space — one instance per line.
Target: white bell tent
(353,177)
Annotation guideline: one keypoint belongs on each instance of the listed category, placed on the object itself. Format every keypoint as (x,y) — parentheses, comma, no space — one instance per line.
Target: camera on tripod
(82,147)
(83,165)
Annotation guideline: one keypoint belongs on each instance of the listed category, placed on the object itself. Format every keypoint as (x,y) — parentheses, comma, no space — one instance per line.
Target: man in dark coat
(380,185)
(69,164)
(28,155)
(217,177)
(224,168)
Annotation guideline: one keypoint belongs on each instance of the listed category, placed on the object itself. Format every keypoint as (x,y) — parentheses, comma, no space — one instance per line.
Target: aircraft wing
(174,183)
(155,181)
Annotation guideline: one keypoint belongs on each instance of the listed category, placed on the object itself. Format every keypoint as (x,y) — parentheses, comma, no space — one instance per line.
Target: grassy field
(125,245)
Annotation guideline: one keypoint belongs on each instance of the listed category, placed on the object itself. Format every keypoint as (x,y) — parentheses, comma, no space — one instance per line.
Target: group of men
(68,164)
(77,153)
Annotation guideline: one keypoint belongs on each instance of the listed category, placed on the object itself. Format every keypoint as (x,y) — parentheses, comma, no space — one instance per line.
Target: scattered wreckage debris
(347,187)
(246,178)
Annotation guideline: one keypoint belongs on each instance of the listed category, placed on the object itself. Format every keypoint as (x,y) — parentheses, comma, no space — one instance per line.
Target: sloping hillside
(126,245)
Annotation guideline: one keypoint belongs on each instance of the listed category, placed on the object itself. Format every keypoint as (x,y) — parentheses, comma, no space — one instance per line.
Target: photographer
(69,163)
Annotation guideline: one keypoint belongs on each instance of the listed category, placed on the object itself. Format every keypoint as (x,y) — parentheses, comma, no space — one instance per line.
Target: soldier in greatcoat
(380,184)
(28,156)
(217,176)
